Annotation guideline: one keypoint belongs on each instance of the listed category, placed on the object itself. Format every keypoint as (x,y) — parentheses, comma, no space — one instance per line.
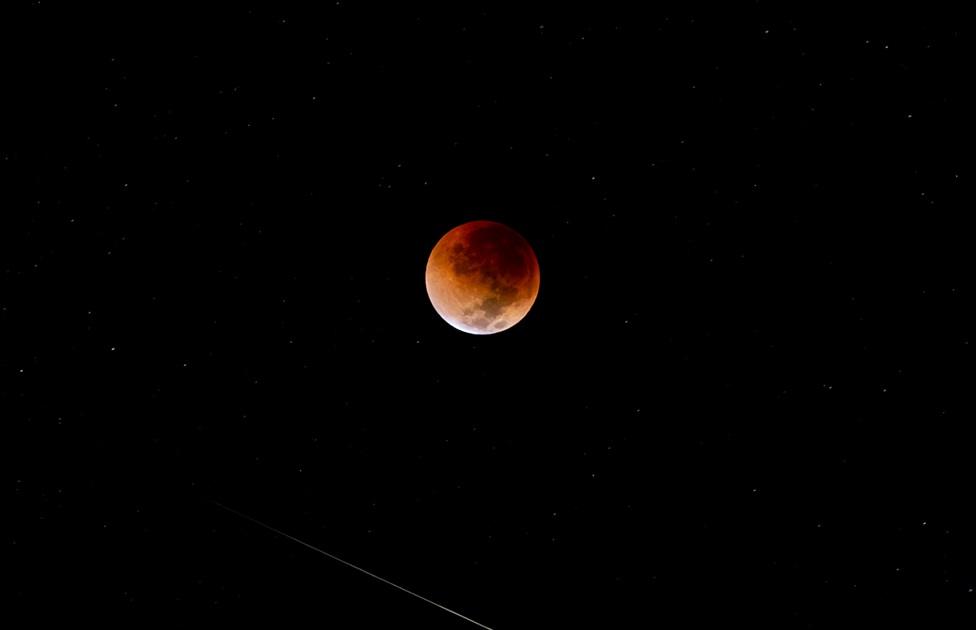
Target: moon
(482,277)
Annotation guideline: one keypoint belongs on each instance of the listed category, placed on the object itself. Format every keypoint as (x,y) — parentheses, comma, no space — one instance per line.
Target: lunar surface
(482,277)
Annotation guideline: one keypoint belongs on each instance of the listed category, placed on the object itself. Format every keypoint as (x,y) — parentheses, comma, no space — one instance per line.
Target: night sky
(744,395)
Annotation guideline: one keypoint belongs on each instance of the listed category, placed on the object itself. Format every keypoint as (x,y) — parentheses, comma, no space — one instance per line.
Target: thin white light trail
(348,564)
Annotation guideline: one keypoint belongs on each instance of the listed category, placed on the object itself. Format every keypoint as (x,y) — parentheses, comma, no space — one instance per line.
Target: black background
(743,395)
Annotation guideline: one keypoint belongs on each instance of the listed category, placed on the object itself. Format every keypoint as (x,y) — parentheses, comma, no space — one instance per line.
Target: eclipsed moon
(482,277)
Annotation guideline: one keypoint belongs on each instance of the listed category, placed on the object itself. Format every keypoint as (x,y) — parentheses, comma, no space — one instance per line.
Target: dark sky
(743,396)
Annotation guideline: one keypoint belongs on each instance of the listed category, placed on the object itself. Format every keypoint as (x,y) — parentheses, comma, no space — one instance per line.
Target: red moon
(482,277)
